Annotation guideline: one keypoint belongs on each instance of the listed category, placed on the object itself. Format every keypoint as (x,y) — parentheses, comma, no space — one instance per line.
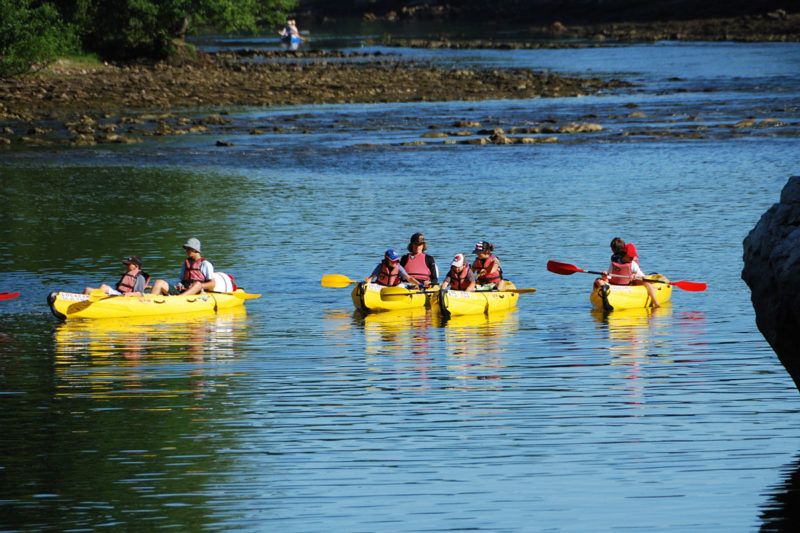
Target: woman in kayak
(132,282)
(389,272)
(460,277)
(197,273)
(418,264)
(487,266)
(625,270)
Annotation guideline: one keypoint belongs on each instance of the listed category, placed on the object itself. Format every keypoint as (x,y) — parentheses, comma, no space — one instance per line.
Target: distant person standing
(290,33)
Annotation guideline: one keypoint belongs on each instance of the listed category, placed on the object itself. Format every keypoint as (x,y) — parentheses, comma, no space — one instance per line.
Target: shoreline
(81,106)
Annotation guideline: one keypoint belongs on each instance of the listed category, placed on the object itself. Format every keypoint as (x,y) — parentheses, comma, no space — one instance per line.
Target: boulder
(772,271)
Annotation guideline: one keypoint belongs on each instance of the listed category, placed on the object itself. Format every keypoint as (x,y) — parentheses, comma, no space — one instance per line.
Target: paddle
(336,281)
(98,294)
(243,295)
(566,269)
(8,295)
(400,292)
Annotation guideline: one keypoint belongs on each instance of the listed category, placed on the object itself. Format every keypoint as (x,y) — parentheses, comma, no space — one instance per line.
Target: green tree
(30,34)
(128,29)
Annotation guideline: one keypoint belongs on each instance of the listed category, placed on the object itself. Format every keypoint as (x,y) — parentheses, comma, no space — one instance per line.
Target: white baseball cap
(458,261)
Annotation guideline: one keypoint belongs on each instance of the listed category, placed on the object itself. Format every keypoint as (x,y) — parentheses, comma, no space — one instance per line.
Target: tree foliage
(30,34)
(126,29)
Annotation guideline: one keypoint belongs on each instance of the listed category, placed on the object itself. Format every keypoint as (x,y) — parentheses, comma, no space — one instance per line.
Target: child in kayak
(487,267)
(132,282)
(460,277)
(625,270)
(389,273)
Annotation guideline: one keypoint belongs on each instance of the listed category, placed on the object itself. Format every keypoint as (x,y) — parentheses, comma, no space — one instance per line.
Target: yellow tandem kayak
(456,303)
(633,296)
(367,297)
(69,305)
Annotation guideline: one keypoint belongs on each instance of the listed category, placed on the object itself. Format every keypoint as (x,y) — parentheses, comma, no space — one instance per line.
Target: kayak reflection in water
(132,282)
(624,270)
(197,273)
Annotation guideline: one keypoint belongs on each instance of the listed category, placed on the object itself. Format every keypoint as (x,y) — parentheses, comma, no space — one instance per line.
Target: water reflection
(782,511)
(635,336)
(101,357)
(475,348)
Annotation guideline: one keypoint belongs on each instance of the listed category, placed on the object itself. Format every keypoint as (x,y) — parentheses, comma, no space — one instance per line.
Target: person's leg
(160,287)
(501,284)
(89,290)
(652,292)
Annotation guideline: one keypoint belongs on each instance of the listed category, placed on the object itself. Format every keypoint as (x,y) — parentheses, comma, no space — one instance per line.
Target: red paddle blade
(565,269)
(8,295)
(691,286)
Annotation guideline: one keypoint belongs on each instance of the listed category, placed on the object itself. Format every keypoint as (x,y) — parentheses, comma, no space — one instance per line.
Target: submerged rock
(772,271)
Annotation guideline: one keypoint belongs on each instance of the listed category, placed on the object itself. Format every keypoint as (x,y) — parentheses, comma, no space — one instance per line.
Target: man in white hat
(197,273)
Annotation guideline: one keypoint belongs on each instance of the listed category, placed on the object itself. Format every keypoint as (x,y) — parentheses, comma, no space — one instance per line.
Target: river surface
(300,415)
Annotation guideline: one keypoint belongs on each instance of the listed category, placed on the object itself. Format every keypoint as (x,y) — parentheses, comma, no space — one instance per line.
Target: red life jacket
(389,276)
(418,268)
(459,281)
(621,273)
(192,272)
(128,281)
(487,264)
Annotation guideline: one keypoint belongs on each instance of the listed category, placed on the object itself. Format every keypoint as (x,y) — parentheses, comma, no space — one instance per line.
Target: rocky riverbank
(105,103)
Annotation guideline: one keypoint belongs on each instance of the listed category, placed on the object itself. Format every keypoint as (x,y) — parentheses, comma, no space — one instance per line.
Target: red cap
(630,250)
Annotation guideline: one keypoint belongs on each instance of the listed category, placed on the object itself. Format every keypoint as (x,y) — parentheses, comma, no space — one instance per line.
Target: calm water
(302,416)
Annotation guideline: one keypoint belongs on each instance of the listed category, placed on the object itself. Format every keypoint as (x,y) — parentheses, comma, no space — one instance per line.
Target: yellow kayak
(69,305)
(455,303)
(367,297)
(633,296)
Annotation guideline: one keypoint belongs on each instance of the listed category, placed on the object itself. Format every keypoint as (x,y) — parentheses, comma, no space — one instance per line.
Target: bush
(31,36)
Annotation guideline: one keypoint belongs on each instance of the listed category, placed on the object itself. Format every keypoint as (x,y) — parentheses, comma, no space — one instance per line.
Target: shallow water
(302,415)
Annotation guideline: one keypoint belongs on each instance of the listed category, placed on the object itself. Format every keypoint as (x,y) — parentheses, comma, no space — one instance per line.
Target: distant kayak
(455,303)
(69,305)
(367,297)
(633,296)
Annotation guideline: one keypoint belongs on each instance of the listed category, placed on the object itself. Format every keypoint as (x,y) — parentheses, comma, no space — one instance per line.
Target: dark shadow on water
(782,510)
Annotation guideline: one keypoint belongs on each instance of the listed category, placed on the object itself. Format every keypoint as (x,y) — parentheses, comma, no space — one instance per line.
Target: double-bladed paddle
(336,281)
(8,295)
(566,269)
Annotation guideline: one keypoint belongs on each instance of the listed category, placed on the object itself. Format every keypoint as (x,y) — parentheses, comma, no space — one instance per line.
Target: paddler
(197,273)
(487,267)
(418,264)
(624,270)
(132,282)
(389,273)
(460,277)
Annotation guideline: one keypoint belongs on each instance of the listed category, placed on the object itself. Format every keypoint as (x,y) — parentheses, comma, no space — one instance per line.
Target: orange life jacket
(417,268)
(127,282)
(192,272)
(621,273)
(459,281)
(487,264)
(389,276)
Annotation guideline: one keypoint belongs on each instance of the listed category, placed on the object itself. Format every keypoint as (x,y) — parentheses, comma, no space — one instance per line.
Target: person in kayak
(389,272)
(132,282)
(197,273)
(418,264)
(290,31)
(625,270)
(460,277)
(487,267)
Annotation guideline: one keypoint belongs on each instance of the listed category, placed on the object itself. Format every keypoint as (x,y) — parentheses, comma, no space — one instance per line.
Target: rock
(434,135)
(224,143)
(772,271)
(466,124)
(637,114)
(5,141)
(584,127)
(745,123)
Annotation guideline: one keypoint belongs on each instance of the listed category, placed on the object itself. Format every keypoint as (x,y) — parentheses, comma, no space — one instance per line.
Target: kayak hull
(367,298)
(633,296)
(68,305)
(457,303)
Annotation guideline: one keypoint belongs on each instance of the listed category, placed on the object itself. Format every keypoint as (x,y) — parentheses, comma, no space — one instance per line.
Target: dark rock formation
(772,270)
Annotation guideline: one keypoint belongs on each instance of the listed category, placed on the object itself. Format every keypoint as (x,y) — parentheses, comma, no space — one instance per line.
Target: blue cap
(391,255)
